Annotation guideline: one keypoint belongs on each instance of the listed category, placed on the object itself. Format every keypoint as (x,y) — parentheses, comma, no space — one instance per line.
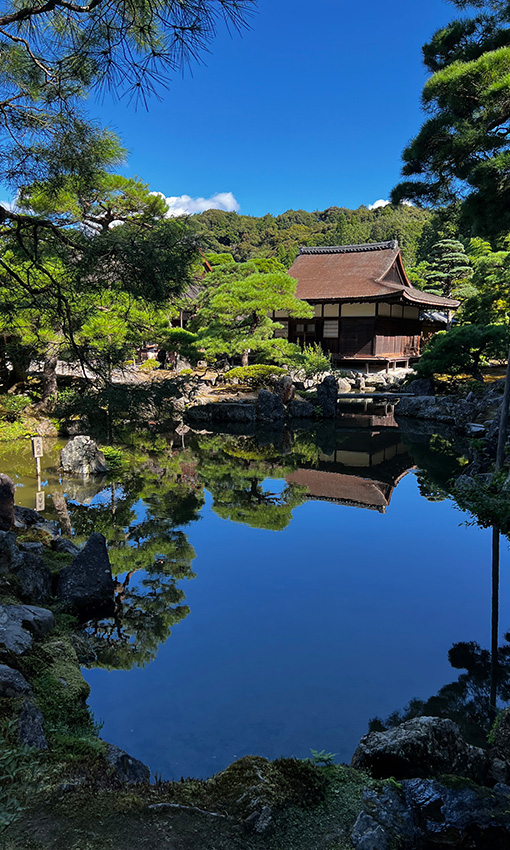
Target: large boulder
(34,578)
(129,770)
(6,502)
(86,586)
(81,456)
(425,813)
(424,747)
(19,624)
(327,394)
(285,389)
(270,409)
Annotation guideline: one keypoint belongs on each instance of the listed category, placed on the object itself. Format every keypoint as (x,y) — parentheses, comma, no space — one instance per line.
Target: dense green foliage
(462,150)
(233,313)
(248,237)
(256,375)
(464,349)
(448,266)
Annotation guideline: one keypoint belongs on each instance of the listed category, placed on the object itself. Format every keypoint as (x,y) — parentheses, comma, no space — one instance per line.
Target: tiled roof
(344,489)
(358,273)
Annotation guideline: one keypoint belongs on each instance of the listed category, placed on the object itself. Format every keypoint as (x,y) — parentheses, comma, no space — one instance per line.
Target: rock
(46,428)
(31,727)
(10,556)
(471,817)
(259,821)
(86,586)
(82,456)
(285,389)
(449,409)
(428,814)
(32,548)
(222,412)
(368,834)
(499,771)
(26,517)
(343,385)
(421,386)
(62,544)
(270,408)
(327,397)
(6,502)
(375,381)
(301,409)
(465,482)
(34,578)
(20,623)
(129,770)
(423,747)
(474,429)
(12,683)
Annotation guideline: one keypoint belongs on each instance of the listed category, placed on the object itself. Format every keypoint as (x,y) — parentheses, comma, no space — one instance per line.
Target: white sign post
(37,453)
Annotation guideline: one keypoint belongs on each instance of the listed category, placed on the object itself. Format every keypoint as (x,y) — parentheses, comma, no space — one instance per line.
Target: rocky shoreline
(417,785)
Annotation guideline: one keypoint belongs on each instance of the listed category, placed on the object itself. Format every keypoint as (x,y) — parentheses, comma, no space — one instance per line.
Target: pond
(276,592)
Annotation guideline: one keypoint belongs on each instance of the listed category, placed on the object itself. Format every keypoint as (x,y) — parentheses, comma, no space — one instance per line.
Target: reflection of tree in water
(467,700)
(439,461)
(233,470)
(149,554)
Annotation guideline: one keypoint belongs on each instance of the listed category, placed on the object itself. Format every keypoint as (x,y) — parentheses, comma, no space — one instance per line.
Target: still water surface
(322,589)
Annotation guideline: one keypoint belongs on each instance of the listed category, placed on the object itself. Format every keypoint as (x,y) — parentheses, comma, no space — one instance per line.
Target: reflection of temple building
(367,413)
(362,471)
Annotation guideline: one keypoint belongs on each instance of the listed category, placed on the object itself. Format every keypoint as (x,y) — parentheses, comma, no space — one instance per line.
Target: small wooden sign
(37,447)
(40,502)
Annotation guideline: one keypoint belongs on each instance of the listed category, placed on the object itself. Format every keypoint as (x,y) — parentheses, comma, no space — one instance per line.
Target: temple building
(367,313)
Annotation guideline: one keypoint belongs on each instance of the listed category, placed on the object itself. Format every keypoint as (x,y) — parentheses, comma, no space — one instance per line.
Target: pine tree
(448,266)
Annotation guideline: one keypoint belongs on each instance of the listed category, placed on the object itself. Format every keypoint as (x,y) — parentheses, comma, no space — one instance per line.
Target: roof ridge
(348,249)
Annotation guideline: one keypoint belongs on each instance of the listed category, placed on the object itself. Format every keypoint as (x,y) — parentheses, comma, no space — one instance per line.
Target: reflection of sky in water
(297,638)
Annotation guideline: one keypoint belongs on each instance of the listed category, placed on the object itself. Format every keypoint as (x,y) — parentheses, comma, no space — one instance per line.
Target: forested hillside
(248,237)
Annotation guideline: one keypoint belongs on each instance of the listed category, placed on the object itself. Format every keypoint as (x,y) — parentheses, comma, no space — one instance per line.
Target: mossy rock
(253,782)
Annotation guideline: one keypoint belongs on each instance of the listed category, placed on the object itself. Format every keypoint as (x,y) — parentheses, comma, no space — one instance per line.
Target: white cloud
(186,205)
(377,204)
(381,203)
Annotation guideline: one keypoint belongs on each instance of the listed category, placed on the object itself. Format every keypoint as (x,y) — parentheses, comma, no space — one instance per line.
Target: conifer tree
(448,266)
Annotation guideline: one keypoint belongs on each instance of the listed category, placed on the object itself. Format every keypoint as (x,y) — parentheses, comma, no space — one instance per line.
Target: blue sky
(309,108)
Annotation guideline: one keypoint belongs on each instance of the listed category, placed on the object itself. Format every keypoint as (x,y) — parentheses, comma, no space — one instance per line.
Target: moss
(56,560)
(459,782)
(35,535)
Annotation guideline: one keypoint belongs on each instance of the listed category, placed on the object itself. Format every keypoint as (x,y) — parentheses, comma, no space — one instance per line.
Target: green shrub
(11,406)
(314,360)
(256,375)
(149,365)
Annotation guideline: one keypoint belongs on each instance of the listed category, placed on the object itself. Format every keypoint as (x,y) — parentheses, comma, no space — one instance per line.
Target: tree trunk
(4,371)
(49,377)
(244,359)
